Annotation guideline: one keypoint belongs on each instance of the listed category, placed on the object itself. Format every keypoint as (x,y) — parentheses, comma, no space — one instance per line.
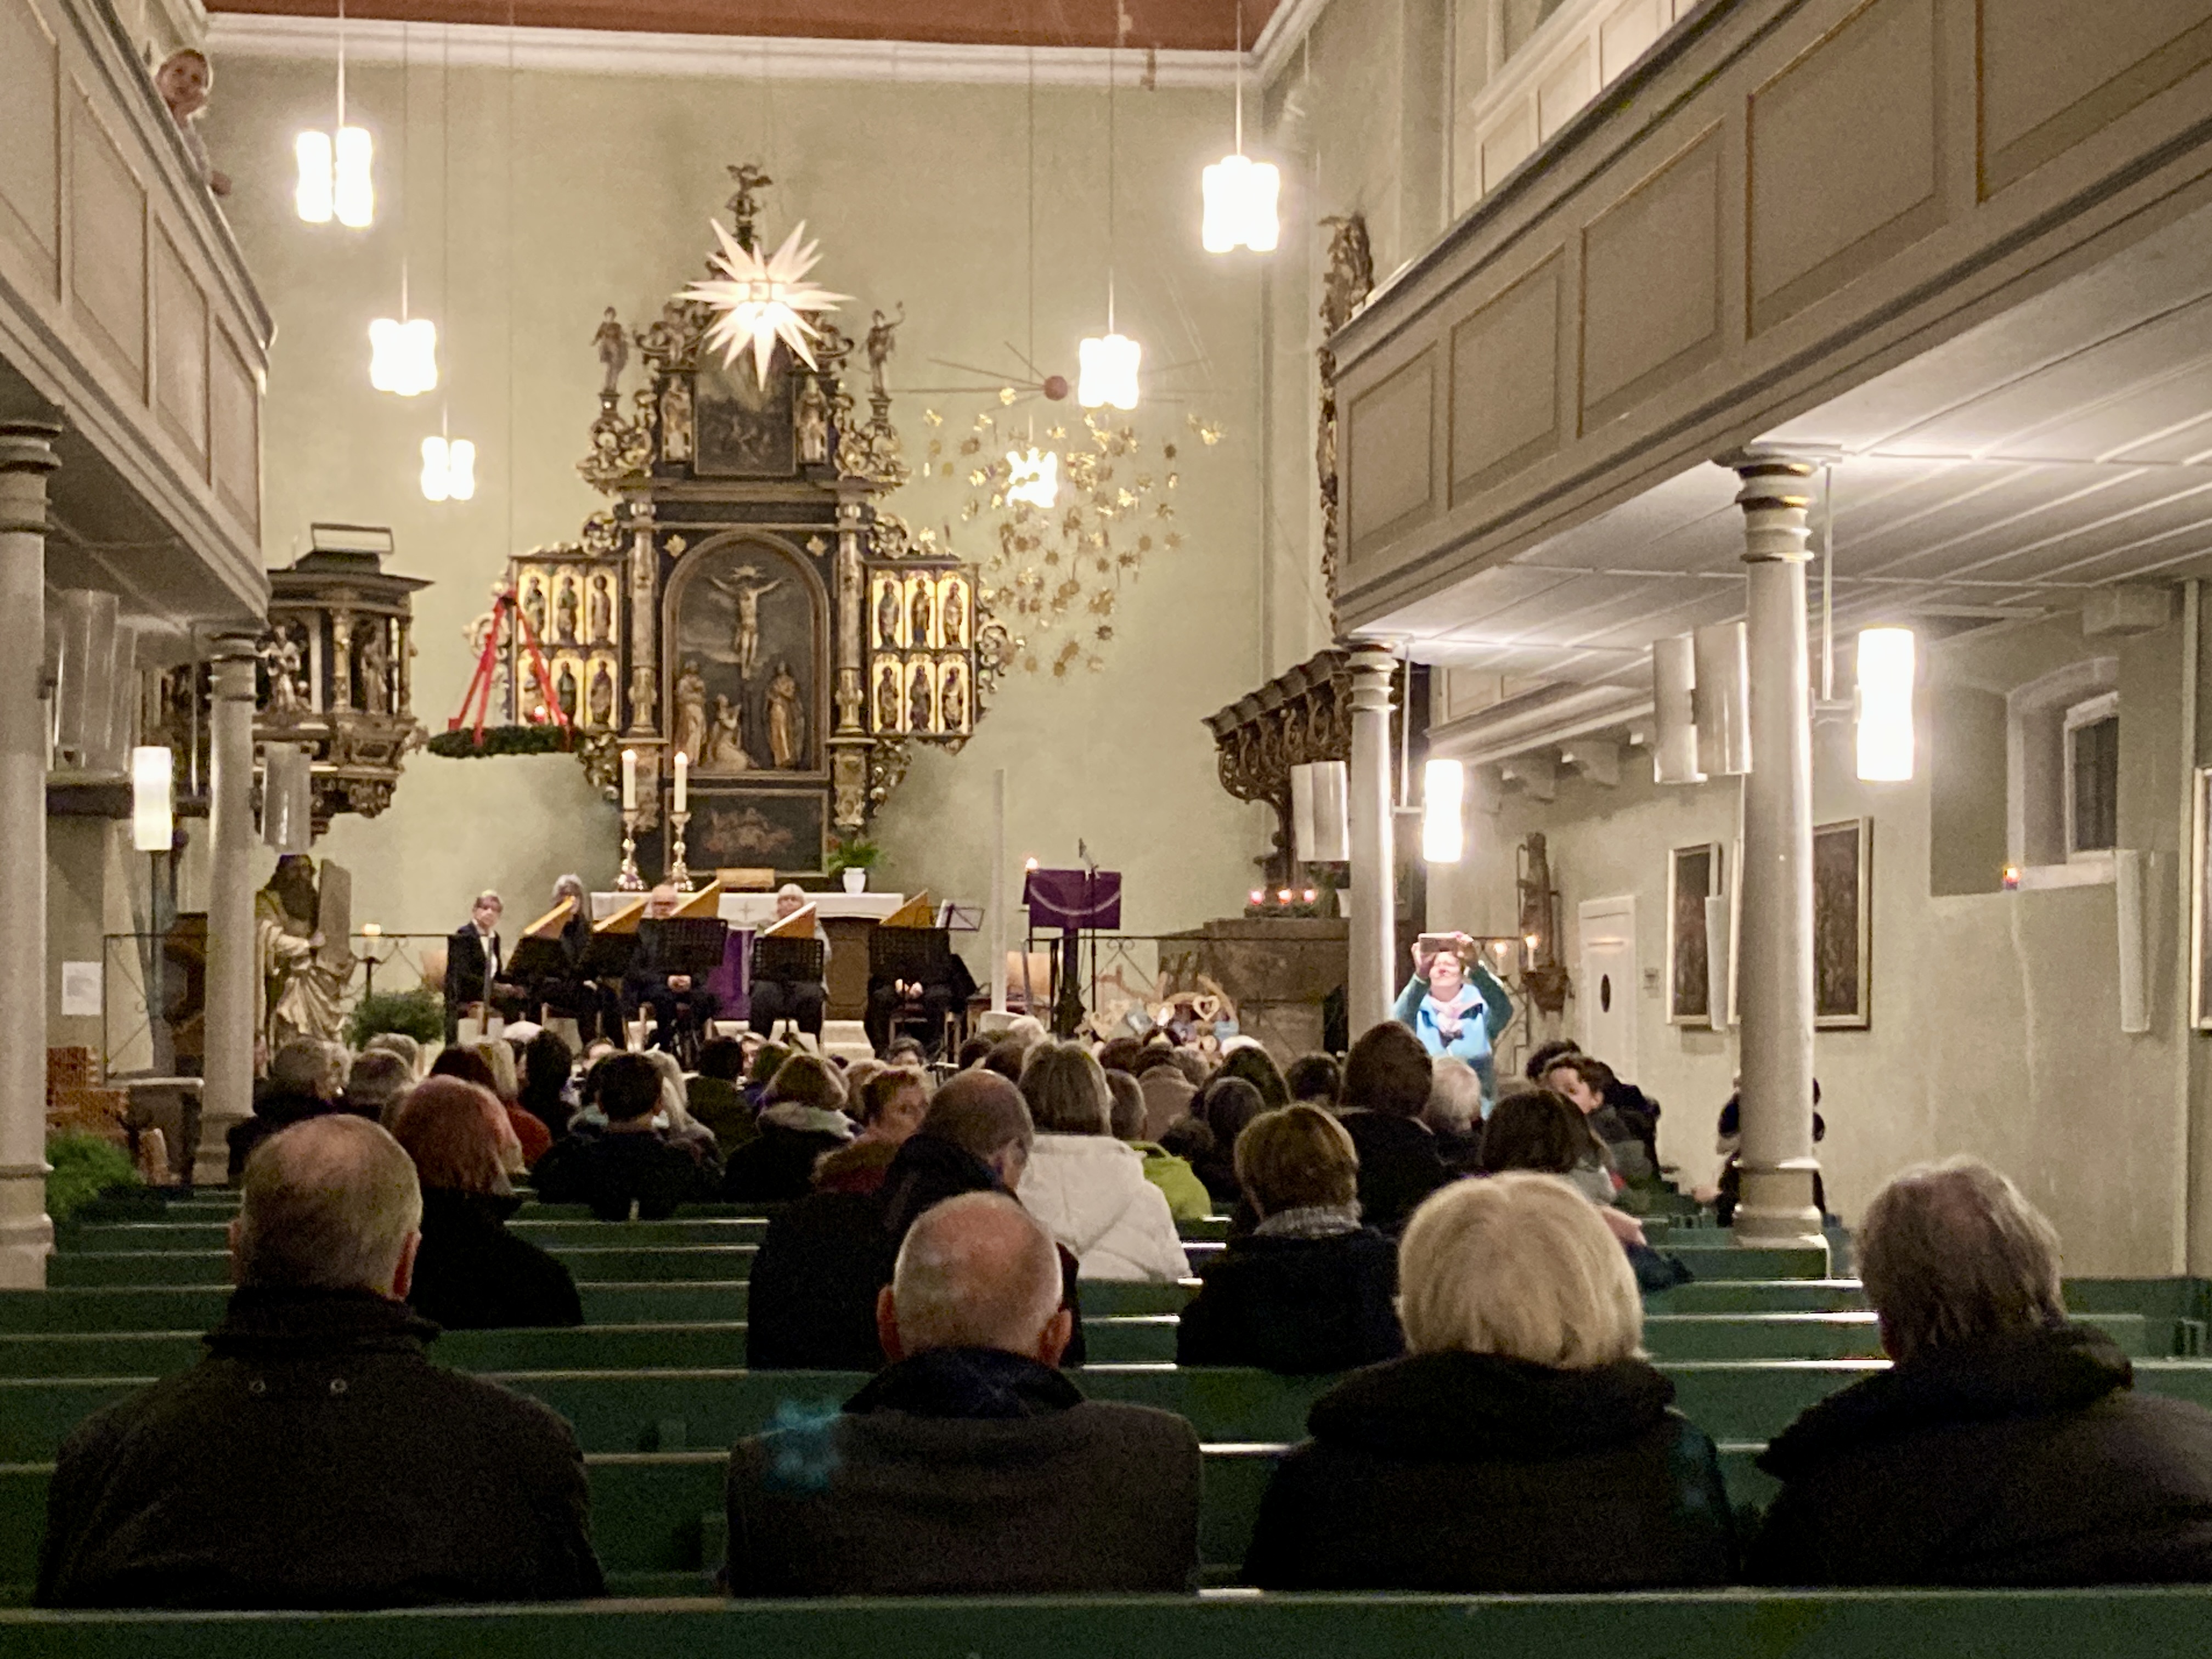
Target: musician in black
(918,1000)
(801,1001)
(571,993)
(679,1005)
(475,962)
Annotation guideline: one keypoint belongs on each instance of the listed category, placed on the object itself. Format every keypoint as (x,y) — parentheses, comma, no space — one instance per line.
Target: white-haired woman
(1086,1187)
(1524,1444)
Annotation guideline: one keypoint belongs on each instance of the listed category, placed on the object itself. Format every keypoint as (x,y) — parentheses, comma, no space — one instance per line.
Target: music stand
(608,955)
(786,961)
(688,946)
(909,953)
(1073,901)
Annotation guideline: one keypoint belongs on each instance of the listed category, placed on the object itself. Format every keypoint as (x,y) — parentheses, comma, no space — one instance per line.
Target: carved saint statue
(786,719)
(887,694)
(924,607)
(300,988)
(812,418)
(372,673)
(725,747)
(282,656)
(676,419)
(614,352)
(601,611)
(918,698)
(952,696)
(601,703)
(533,603)
(888,612)
(564,690)
(953,609)
(690,697)
(564,611)
(746,589)
(881,332)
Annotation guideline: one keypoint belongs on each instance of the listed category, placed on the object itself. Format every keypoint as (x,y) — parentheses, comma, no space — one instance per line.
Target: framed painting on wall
(1843,924)
(2200,902)
(1694,874)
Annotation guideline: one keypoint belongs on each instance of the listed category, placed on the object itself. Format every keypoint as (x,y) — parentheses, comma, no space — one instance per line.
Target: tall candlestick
(997,891)
(629,780)
(682,782)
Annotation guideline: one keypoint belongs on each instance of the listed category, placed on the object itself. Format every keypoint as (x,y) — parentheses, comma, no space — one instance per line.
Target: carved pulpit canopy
(743,600)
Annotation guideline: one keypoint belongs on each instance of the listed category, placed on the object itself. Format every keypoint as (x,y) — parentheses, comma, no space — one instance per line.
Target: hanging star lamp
(334,177)
(764,302)
(1240,193)
(1033,476)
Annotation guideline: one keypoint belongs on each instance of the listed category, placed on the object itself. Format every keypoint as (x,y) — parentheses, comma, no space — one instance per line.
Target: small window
(2093,776)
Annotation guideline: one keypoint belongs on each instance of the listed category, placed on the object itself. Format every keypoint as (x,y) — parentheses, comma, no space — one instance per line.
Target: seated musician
(918,1004)
(678,1004)
(474,961)
(571,993)
(800,1002)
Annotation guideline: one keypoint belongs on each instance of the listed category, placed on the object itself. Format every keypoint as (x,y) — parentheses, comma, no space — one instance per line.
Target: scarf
(1448,1015)
(1311,1221)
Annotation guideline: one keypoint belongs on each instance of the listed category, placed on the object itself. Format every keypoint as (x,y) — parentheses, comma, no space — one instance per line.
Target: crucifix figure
(744,589)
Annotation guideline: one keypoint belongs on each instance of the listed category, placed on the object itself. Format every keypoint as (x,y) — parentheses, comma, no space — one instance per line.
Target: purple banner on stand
(1074,898)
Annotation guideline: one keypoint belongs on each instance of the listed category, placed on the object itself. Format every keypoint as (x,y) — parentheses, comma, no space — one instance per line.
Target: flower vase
(856,881)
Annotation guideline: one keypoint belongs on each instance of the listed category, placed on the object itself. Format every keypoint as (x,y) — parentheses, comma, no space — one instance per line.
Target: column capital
(1373,667)
(28,446)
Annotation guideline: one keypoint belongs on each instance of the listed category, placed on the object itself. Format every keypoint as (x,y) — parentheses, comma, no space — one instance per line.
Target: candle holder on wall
(628,880)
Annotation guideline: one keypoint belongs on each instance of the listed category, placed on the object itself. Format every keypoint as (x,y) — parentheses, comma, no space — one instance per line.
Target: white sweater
(1091,1192)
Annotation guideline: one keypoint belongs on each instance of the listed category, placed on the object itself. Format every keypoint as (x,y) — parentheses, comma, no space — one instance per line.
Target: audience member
(1524,1446)
(811,1305)
(974,1052)
(1120,1053)
(470,1272)
(1386,1078)
(376,1084)
(1454,1112)
(1728,1191)
(1455,1005)
(1190,1140)
(802,1118)
(1245,1057)
(1225,1105)
(1545,1055)
(678,1127)
(1308,1290)
(1315,1079)
(893,1101)
(548,1068)
(715,1098)
(306,1076)
(2006,1446)
(1583,1081)
(1187,1199)
(1539,1129)
(183,81)
(399,1043)
(315,1458)
(1005,1059)
(627,1167)
(472,1063)
(906,1051)
(1087,1187)
(971,1465)
(768,1060)
(1167,1093)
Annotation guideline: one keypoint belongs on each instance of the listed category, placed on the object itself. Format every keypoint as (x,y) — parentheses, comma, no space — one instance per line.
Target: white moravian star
(764,300)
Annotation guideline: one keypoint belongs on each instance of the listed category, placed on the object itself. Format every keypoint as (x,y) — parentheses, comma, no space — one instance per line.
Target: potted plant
(851,861)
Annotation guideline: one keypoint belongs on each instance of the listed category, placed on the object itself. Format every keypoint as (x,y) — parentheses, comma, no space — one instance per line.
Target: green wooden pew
(2110,1623)
(198,1307)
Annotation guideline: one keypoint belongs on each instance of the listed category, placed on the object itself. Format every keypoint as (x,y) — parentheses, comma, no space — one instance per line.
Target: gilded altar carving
(722,605)
(1302,715)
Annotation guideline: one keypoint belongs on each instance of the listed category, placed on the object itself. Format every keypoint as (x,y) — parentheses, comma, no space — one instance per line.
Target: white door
(1606,992)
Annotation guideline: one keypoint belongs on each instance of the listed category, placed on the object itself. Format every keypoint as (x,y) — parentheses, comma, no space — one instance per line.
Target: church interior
(908,525)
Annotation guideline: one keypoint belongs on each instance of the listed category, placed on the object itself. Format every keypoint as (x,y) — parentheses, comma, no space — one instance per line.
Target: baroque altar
(743,600)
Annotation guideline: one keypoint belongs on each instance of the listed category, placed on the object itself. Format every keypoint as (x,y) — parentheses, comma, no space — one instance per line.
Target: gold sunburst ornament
(763,302)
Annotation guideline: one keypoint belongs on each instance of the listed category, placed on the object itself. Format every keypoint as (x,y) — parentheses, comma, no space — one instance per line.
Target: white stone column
(1776,972)
(26,1237)
(233,990)
(1372,981)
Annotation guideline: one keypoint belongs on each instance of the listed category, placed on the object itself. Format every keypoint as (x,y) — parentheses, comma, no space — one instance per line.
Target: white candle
(630,780)
(683,781)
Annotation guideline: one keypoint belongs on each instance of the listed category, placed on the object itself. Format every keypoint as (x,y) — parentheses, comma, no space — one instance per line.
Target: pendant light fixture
(1033,477)
(1106,372)
(336,179)
(449,463)
(402,350)
(1240,193)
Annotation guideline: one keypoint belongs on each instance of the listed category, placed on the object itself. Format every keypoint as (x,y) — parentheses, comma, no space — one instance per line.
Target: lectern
(1073,901)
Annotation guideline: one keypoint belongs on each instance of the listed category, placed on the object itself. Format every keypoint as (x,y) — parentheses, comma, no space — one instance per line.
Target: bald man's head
(976,1271)
(330,1204)
(981,1113)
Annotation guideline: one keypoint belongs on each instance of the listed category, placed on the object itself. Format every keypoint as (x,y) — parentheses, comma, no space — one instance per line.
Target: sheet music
(960,918)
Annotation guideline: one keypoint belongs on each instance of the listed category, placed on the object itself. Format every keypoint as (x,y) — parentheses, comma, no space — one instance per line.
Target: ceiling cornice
(603,51)
(1288,25)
